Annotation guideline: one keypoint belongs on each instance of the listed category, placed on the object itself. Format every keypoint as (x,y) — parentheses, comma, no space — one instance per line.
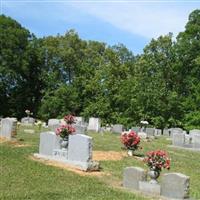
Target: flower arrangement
(130,140)
(157,160)
(65,130)
(28,112)
(69,119)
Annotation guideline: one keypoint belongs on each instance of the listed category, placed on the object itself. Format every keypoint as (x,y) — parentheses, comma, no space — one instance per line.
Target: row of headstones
(191,141)
(80,125)
(173,185)
(8,128)
(78,153)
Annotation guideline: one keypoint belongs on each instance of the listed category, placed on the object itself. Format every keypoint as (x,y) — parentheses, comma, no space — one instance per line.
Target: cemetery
(99,160)
(82,118)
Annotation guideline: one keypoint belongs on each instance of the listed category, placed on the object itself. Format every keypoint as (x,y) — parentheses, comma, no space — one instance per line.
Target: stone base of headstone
(185,147)
(149,188)
(84,166)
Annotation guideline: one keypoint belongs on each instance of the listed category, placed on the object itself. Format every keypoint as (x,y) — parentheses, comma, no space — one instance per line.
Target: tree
(14,41)
(188,64)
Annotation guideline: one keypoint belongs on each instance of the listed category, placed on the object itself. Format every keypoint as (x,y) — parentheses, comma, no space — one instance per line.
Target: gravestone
(117,128)
(150,132)
(158,132)
(178,139)
(173,130)
(80,148)
(53,124)
(135,129)
(192,133)
(142,135)
(188,139)
(132,176)
(196,141)
(8,128)
(94,124)
(80,129)
(78,153)
(166,132)
(48,142)
(28,121)
(175,185)
(79,121)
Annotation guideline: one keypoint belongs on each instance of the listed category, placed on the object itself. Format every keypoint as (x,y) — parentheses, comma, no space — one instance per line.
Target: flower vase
(154,174)
(64,143)
(130,152)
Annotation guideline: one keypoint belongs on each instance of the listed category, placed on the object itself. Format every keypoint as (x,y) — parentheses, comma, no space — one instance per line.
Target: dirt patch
(113,155)
(108,155)
(69,167)
(13,142)
(2,140)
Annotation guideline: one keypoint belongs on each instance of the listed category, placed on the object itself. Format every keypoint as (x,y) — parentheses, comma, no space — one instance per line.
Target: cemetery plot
(65,182)
(77,154)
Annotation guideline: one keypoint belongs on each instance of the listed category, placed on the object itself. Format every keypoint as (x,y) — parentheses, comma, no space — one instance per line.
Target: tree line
(56,75)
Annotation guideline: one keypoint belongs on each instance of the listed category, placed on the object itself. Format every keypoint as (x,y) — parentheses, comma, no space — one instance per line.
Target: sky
(130,22)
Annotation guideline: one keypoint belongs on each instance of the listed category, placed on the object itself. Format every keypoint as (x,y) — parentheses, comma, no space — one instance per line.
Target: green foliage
(58,103)
(61,74)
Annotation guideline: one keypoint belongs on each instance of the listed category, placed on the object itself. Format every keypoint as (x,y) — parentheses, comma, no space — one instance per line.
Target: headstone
(158,132)
(78,153)
(8,128)
(117,128)
(188,139)
(48,142)
(173,130)
(132,176)
(80,148)
(79,121)
(178,139)
(149,188)
(150,132)
(192,133)
(135,129)
(27,120)
(166,132)
(196,141)
(175,185)
(53,124)
(94,124)
(80,129)
(142,135)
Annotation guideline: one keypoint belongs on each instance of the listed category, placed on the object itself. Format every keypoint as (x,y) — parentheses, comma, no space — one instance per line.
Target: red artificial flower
(69,119)
(157,160)
(130,140)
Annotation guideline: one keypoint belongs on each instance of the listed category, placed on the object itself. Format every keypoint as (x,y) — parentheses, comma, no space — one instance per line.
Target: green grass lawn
(23,178)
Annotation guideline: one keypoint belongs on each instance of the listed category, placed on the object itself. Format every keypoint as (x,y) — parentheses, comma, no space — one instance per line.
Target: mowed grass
(23,178)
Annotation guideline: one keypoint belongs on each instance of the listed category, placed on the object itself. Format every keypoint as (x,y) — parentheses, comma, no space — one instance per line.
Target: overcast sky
(133,23)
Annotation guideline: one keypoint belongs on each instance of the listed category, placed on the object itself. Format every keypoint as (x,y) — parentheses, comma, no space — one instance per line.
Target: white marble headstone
(94,124)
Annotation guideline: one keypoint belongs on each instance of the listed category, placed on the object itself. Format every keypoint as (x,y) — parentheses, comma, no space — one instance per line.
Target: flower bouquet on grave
(28,112)
(131,141)
(156,161)
(69,119)
(64,131)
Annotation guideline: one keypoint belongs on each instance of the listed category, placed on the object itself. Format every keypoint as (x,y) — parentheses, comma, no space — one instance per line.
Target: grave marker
(94,124)
(132,176)
(175,185)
